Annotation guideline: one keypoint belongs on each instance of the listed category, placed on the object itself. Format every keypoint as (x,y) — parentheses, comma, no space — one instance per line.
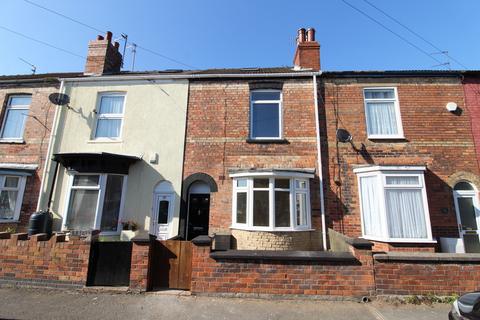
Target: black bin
(40,222)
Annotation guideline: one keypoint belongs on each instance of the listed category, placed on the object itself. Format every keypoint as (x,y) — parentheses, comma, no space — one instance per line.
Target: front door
(198,212)
(163,207)
(468,216)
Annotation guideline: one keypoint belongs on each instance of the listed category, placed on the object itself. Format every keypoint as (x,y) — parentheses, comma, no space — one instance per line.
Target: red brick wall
(44,263)
(471,86)
(433,137)
(36,136)
(139,265)
(422,278)
(282,277)
(217,130)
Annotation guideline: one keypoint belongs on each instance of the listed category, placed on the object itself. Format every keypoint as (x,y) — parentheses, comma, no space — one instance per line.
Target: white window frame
(473,194)
(271,192)
(109,116)
(16,107)
(19,201)
(101,187)
(280,113)
(398,117)
(381,173)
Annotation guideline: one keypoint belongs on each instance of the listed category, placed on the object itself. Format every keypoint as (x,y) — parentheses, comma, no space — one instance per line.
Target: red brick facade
(36,138)
(471,86)
(217,134)
(434,137)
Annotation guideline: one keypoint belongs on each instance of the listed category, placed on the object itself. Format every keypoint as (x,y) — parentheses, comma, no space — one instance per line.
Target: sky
(243,33)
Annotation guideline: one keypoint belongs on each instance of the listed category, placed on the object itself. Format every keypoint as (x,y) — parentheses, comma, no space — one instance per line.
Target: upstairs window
(266,114)
(279,203)
(394,204)
(15,117)
(382,113)
(110,116)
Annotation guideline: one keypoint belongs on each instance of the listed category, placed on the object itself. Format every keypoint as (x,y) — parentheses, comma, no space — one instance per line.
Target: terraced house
(281,181)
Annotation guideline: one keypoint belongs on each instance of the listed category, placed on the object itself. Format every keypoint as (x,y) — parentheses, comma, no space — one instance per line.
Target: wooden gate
(172,264)
(109,263)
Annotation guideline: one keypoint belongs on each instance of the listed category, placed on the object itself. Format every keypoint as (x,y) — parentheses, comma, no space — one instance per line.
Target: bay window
(271,202)
(11,195)
(95,202)
(393,203)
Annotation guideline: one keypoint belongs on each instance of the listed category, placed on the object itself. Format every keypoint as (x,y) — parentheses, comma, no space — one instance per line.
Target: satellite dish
(452,106)
(59,99)
(343,135)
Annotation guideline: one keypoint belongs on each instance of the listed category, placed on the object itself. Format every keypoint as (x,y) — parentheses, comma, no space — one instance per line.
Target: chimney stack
(103,57)
(307,55)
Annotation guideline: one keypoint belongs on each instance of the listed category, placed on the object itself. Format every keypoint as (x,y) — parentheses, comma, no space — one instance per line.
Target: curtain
(405,213)
(402,180)
(108,128)
(14,123)
(372,213)
(301,209)
(111,104)
(8,200)
(381,118)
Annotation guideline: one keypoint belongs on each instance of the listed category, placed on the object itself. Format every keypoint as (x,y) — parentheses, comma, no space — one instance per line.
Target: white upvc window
(382,113)
(271,202)
(95,202)
(266,114)
(12,188)
(15,117)
(110,110)
(393,204)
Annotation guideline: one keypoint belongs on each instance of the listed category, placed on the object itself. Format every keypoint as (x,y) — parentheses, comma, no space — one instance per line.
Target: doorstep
(101,289)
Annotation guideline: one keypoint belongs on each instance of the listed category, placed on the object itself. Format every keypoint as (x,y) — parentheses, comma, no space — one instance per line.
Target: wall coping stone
(202,241)
(5,235)
(283,255)
(424,256)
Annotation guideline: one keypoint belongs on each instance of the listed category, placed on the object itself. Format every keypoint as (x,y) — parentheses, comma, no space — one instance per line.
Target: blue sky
(248,33)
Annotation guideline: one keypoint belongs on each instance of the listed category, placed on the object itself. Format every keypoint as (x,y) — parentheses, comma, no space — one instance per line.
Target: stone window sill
(9,221)
(12,141)
(268,141)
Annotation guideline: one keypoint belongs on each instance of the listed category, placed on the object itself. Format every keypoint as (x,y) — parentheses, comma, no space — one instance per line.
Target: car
(466,307)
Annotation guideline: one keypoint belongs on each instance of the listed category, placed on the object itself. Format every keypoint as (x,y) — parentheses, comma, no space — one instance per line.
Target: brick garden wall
(415,276)
(40,262)
(434,137)
(261,277)
(36,137)
(217,133)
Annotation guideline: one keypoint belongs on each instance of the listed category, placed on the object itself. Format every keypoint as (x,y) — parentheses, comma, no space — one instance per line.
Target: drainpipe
(48,160)
(319,157)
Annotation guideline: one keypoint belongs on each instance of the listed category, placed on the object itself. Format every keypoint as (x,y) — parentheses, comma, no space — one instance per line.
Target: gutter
(191,76)
(48,160)
(319,158)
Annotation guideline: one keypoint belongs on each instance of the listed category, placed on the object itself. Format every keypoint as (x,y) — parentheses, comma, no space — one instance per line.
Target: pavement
(61,304)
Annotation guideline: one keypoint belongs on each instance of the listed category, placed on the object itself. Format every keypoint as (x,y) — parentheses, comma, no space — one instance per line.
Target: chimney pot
(99,37)
(301,35)
(311,34)
(117,45)
(109,36)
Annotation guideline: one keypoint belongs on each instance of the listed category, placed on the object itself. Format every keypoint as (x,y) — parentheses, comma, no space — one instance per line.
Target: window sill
(105,141)
(387,139)
(268,141)
(398,240)
(9,221)
(271,230)
(12,141)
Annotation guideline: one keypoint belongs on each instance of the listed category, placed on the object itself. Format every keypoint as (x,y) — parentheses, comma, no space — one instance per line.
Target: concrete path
(55,304)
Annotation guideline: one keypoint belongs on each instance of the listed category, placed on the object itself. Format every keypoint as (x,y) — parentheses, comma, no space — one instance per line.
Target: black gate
(109,264)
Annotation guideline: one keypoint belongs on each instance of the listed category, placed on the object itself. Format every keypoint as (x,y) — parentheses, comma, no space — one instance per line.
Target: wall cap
(320,256)
(202,241)
(433,257)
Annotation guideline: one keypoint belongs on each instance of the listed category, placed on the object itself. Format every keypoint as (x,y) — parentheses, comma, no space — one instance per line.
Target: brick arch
(453,179)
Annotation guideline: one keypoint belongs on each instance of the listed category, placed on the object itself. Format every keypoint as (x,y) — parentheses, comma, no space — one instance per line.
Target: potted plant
(129,230)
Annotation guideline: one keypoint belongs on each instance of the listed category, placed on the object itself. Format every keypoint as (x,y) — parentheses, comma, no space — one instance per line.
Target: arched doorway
(468,215)
(162,209)
(198,209)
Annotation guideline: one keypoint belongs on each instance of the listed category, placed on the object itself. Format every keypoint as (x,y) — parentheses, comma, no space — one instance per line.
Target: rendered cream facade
(154,122)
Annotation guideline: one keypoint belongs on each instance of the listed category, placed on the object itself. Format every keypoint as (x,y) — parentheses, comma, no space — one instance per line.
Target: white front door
(162,214)
(468,216)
